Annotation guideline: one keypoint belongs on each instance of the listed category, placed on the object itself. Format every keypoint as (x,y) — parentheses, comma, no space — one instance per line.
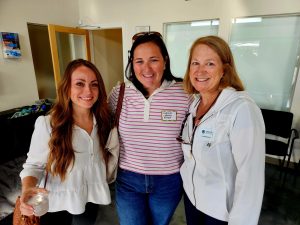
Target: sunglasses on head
(140,34)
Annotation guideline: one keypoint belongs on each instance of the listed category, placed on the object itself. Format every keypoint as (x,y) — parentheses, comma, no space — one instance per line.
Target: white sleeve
(38,152)
(248,147)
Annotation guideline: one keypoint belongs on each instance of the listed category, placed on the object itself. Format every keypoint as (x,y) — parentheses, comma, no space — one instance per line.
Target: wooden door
(67,44)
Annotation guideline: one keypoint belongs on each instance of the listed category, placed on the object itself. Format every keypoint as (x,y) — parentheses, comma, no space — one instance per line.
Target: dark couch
(16,128)
(15,134)
(15,137)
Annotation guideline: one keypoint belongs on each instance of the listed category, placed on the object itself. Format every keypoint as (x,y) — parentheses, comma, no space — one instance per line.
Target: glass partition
(266,52)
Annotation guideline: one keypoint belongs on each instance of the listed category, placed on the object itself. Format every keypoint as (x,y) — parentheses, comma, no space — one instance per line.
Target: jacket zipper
(192,141)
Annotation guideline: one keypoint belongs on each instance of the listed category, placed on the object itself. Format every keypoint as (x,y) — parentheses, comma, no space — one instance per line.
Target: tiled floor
(281,203)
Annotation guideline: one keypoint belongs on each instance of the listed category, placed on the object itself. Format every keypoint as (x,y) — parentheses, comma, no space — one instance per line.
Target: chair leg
(294,172)
(285,170)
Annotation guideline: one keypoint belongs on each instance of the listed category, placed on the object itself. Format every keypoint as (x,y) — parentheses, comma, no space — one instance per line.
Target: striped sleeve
(113,98)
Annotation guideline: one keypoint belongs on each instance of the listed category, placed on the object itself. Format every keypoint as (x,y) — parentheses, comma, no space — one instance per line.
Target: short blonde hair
(218,45)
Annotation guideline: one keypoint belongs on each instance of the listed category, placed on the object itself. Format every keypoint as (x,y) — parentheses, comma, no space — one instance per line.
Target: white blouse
(85,181)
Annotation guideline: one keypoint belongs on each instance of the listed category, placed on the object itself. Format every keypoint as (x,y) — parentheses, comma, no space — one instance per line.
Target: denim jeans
(196,217)
(147,199)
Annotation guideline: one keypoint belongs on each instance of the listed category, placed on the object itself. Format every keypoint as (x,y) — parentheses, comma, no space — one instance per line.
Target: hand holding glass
(39,201)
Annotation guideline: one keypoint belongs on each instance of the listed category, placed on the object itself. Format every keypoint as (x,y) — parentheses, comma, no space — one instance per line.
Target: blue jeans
(196,217)
(147,199)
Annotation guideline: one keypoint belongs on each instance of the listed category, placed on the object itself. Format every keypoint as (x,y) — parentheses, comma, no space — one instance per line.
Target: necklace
(198,118)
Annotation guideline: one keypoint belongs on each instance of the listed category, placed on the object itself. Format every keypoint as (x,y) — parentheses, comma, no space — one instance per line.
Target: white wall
(17,78)
(131,13)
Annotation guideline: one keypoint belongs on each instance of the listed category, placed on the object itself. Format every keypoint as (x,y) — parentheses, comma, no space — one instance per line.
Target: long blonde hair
(218,45)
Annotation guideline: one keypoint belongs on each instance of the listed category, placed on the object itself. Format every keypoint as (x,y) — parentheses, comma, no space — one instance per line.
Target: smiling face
(148,66)
(84,88)
(206,70)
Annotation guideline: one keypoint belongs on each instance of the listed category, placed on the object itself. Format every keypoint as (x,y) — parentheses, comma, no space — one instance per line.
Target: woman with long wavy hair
(68,144)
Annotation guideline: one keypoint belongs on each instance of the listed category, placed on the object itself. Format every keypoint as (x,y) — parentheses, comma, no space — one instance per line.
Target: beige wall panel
(17,77)
(108,56)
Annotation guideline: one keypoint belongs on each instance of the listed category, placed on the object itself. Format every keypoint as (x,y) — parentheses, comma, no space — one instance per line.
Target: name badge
(168,115)
(206,133)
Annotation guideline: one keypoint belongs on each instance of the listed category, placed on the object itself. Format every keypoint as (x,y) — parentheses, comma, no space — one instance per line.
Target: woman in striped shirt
(148,185)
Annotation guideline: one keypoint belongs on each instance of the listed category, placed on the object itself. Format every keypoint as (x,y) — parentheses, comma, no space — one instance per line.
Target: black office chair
(279,126)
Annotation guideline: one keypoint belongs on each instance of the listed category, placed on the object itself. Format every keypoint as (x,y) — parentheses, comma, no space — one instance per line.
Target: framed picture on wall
(10,45)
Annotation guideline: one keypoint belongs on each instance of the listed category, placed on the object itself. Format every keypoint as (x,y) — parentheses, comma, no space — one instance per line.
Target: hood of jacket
(227,96)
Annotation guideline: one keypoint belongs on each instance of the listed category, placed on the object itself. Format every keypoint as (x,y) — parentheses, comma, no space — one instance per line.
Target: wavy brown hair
(62,155)
(219,46)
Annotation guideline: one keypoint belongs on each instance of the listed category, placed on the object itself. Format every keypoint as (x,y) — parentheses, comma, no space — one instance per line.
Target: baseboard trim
(274,161)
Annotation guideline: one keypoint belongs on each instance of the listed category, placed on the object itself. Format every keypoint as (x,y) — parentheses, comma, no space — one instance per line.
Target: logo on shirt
(208,133)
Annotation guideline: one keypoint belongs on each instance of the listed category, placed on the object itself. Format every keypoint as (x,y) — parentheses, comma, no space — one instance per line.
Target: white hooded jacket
(224,159)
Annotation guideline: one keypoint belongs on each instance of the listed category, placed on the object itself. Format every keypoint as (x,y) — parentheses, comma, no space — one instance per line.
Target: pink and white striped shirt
(148,128)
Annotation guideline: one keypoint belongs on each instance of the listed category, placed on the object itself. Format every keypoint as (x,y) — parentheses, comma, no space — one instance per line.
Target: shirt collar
(94,123)
(165,84)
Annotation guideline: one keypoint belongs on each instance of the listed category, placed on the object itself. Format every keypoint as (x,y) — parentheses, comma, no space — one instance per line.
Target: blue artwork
(10,45)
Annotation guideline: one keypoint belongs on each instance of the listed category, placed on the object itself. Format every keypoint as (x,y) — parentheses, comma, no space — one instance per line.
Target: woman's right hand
(26,209)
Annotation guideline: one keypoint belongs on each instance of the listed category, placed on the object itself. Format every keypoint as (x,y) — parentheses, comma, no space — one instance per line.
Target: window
(179,38)
(266,52)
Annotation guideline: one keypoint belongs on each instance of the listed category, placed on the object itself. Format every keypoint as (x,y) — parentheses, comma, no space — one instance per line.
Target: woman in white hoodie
(223,140)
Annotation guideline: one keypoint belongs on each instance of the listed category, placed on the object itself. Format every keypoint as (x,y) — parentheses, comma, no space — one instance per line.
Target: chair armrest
(296,136)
